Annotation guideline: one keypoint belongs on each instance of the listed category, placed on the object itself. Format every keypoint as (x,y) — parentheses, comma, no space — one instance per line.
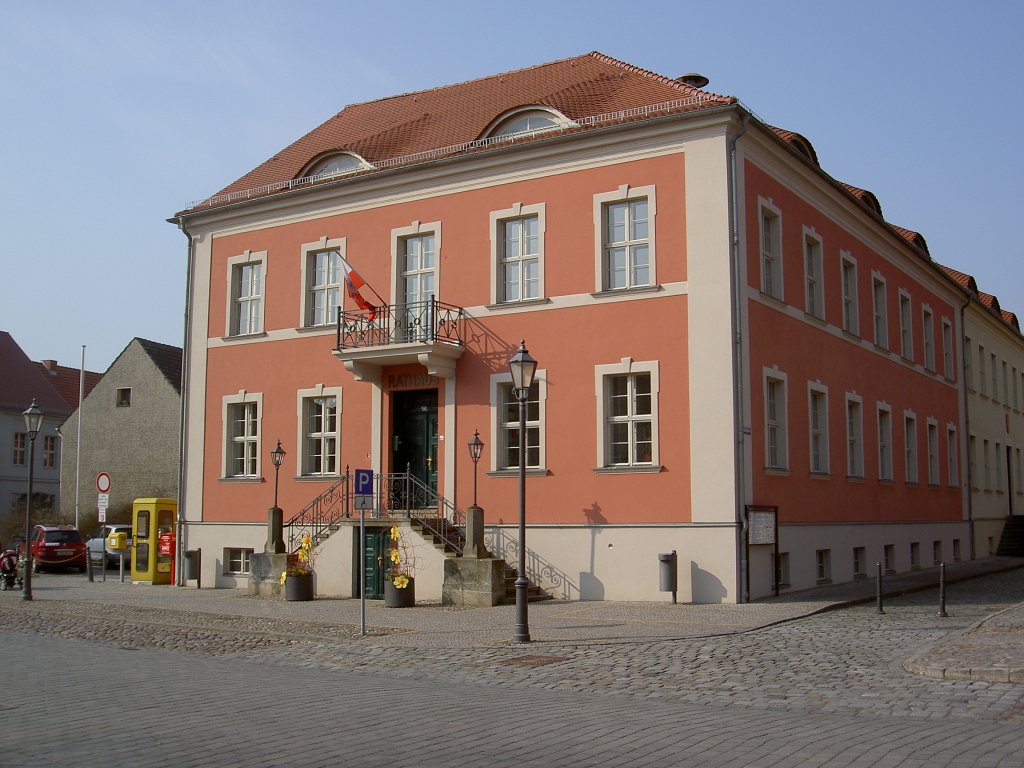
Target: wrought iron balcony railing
(423,322)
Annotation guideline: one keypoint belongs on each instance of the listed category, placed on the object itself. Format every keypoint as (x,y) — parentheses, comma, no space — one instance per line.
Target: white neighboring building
(993,355)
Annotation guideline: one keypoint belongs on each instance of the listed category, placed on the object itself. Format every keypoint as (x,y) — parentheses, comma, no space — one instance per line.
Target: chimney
(50,365)
(693,79)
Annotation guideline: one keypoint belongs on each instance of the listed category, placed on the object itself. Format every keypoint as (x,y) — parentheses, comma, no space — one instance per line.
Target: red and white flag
(353,282)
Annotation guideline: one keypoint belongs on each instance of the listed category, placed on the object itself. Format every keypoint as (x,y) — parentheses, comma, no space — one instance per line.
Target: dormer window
(528,121)
(343,162)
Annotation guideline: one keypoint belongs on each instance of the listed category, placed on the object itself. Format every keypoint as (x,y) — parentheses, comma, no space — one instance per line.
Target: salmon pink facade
(738,358)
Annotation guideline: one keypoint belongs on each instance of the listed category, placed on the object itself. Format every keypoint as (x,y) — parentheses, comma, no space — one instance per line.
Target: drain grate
(534,661)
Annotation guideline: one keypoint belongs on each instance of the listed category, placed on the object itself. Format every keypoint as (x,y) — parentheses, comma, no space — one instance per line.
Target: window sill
(821,475)
(607,293)
(855,478)
(813,318)
(885,481)
(853,335)
(934,485)
(241,480)
(637,469)
(244,337)
(883,348)
(777,471)
(332,327)
(772,299)
(316,478)
(911,484)
(514,305)
(860,577)
(822,582)
(530,472)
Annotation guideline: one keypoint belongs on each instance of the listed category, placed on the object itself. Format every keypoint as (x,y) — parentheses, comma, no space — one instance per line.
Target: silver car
(99,551)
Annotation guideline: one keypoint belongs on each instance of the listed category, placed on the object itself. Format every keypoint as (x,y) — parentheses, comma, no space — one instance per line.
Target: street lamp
(523,368)
(476,449)
(33,423)
(277,456)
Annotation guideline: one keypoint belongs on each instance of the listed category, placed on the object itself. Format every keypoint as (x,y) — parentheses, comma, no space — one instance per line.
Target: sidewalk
(991,650)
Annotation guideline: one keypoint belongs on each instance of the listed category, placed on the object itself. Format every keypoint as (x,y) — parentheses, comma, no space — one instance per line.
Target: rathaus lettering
(411,381)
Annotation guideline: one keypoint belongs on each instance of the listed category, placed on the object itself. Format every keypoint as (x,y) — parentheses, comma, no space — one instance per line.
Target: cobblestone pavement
(841,661)
(69,704)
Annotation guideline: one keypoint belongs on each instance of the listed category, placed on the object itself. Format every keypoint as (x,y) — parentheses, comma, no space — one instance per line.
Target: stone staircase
(1011,543)
(450,540)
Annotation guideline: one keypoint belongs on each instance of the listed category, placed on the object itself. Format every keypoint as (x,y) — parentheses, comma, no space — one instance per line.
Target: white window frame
(1006,383)
(776,424)
(240,555)
(998,462)
(49,451)
(947,350)
(817,428)
(932,443)
(968,363)
(987,465)
(854,436)
(860,558)
(228,403)
(770,249)
(848,292)
(972,461)
(303,399)
(308,252)
(906,306)
(823,565)
(928,337)
(910,453)
(982,376)
(501,382)
(880,310)
(884,431)
(624,194)
(814,285)
(398,237)
(952,450)
(626,366)
(498,220)
(232,312)
(994,394)
(1016,389)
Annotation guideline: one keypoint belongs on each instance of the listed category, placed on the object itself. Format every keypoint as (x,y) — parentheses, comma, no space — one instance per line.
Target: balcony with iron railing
(425,332)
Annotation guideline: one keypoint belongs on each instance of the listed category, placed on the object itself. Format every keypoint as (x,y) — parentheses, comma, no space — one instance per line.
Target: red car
(57,546)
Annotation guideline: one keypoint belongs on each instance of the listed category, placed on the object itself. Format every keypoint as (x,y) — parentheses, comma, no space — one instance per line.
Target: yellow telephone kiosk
(154,522)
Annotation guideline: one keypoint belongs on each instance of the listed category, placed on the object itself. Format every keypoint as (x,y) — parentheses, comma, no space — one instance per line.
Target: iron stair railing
(396,494)
(320,517)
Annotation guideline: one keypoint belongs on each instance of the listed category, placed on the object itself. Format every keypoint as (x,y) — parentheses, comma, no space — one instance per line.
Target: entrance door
(414,434)
(376,563)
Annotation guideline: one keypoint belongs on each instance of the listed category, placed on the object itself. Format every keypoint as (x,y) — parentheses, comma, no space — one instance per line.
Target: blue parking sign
(364,481)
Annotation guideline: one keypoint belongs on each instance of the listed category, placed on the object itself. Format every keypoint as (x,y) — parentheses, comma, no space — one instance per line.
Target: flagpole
(78,443)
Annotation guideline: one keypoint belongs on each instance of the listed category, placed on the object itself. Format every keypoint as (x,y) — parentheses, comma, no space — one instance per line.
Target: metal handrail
(404,493)
(424,322)
(397,493)
(319,517)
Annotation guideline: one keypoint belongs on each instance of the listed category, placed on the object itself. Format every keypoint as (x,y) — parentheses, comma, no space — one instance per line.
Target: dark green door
(376,562)
(414,441)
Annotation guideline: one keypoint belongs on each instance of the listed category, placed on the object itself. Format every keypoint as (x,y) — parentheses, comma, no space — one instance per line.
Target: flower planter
(400,598)
(299,587)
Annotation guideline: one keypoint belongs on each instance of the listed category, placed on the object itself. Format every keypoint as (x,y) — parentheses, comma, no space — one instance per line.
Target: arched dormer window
(342,162)
(529,120)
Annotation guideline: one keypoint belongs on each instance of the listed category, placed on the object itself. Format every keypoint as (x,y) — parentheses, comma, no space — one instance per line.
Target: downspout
(182,432)
(739,447)
(966,437)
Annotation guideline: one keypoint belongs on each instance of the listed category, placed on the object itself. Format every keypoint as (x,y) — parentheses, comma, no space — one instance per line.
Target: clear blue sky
(117,114)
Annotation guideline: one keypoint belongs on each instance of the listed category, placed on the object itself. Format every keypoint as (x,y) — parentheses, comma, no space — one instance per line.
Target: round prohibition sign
(103,482)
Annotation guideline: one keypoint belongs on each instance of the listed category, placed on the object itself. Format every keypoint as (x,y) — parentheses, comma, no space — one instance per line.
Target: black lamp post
(33,423)
(523,368)
(277,456)
(476,449)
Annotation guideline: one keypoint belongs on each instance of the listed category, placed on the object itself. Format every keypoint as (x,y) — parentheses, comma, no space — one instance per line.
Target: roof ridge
(460,83)
(664,79)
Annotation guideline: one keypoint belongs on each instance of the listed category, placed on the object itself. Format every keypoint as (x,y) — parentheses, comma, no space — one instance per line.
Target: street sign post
(363,487)
(103,482)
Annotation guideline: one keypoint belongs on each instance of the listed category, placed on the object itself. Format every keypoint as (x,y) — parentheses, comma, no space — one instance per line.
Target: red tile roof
(798,142)
(989,301)
(915,238)
(1011,319)
(21,382)
(965,280)
(588,86)
(65,380)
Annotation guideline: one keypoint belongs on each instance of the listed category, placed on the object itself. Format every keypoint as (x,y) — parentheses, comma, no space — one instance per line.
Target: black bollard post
(942,591)
(878,588)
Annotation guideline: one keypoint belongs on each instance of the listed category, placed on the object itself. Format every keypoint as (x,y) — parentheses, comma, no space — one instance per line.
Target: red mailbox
(166,554)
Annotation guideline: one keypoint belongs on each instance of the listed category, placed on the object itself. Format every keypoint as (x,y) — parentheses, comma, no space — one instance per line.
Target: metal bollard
(88,564)
(942,591)
(878,588)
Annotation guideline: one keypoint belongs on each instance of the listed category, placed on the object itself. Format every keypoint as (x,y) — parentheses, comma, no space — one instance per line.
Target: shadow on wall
(538,570)
(705,586)
(591,587)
